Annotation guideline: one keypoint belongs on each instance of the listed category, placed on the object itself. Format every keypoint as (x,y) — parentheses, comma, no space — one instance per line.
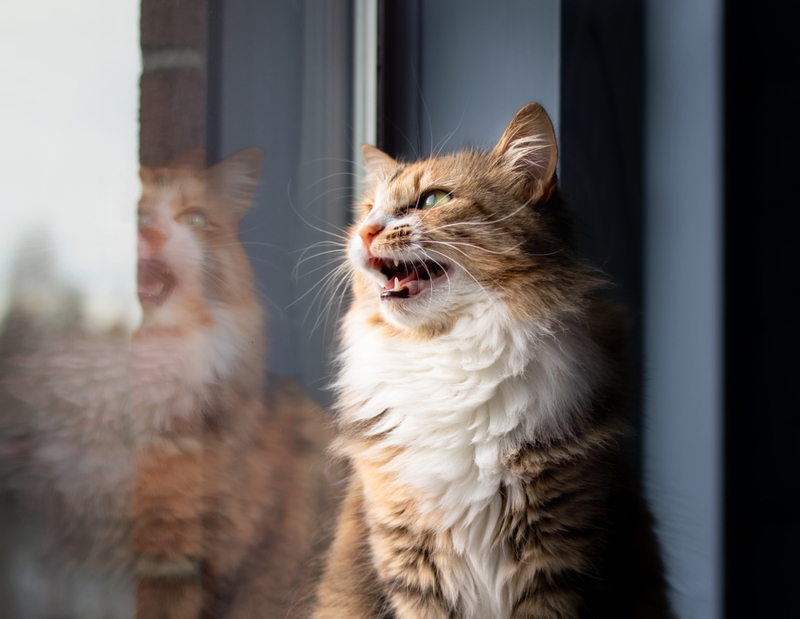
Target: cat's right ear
(235,180)
(377,162)
(528,147)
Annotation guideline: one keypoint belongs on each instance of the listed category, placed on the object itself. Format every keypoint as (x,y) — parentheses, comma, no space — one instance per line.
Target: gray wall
(683,295)
(480,63)
(455,73)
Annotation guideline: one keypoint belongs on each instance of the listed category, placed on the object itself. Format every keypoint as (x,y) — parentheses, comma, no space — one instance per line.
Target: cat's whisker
(463,268)
(328,283)
(443,142)
(339,248)
(473,246)
(348,198)
(327,264)
(317,255)
(326,242)
(430,277)
(480,223)
(245,243)
(333,293)
(357,164)
(424,104)
(329,176)
(342,232)
(345,266)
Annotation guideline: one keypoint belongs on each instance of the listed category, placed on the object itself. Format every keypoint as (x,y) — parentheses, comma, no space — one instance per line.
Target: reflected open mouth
(155,282)
(408,279)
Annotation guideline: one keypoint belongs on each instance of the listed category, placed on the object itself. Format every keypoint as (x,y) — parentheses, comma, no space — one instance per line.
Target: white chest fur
(455,405)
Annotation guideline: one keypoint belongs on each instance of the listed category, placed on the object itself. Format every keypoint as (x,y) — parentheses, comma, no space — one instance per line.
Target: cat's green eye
(193,219)
(437,197)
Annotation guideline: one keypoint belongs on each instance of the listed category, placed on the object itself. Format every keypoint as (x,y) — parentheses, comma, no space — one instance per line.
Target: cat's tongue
(154,281)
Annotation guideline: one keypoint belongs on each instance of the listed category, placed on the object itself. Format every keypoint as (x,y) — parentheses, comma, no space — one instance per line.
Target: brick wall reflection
(172,110)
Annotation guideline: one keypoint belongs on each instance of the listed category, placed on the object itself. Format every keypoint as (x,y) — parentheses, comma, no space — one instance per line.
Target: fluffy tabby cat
(481,403)
(161,461)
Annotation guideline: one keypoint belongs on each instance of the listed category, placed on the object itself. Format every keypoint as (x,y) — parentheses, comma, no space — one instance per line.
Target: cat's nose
(151,239)
(367,232)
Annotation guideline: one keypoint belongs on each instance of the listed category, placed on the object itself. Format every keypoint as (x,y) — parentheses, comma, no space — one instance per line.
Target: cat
(172,462)
(481,401)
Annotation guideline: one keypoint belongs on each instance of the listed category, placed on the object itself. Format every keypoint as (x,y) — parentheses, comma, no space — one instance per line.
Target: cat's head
(190,259)
(439,237)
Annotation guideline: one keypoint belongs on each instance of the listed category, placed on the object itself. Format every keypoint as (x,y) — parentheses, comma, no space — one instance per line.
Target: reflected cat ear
(377,162)
(235,179)
(528,146)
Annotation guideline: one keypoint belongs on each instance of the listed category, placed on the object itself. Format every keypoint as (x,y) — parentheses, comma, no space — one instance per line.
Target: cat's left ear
(528,147)
(234,180)
(377,162)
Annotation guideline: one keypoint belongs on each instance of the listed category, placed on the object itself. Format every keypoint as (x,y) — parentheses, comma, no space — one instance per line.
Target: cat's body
(482,398)
(169,462)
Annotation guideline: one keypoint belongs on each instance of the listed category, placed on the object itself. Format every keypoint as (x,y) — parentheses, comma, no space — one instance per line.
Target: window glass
(175,181)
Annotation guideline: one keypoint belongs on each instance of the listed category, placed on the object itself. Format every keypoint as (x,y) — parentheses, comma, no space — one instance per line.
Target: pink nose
(367,232)
(151,240)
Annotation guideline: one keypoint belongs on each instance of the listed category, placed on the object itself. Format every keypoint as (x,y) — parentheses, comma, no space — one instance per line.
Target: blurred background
(677,130)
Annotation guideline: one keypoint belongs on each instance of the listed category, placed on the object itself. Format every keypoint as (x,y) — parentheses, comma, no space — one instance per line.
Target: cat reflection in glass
(173,476)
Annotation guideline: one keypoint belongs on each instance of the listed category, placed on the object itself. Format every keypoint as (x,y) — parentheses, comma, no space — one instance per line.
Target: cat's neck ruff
(177,373)
(449,408)
(456,403)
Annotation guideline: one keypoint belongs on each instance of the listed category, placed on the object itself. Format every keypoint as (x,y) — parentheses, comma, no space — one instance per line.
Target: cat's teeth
(397,287)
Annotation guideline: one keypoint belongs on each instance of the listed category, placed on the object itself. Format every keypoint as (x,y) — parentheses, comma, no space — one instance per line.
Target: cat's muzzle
(408,279)
(155,282)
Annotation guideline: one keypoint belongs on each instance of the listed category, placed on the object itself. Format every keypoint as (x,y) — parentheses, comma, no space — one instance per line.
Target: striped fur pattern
(481,401)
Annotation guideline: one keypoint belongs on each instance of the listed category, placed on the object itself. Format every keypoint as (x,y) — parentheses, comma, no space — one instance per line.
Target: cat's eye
(146,220)
(437,197)
(193,219)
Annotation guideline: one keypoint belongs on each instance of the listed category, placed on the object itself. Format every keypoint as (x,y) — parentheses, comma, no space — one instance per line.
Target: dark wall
(601,173)
(762,218)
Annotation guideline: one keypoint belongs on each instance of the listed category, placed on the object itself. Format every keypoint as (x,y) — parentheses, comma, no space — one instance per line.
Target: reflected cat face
(189,256)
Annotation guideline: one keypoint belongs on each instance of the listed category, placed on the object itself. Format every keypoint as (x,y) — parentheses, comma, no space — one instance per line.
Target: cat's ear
(377,162)
(234,180)
(528,147)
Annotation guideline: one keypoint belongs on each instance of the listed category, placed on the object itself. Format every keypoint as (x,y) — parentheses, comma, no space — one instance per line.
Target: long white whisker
(319,268)
(334,294)
(479,223)
(308,223)
(322,281)
(488,251)
(317,255)
(463,268)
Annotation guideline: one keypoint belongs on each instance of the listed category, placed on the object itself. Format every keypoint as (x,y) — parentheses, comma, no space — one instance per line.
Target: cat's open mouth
(407,279)
(155,282)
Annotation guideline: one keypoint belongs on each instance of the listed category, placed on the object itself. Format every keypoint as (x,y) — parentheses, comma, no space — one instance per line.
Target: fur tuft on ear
(528,147)
(377,162)
(235,179)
